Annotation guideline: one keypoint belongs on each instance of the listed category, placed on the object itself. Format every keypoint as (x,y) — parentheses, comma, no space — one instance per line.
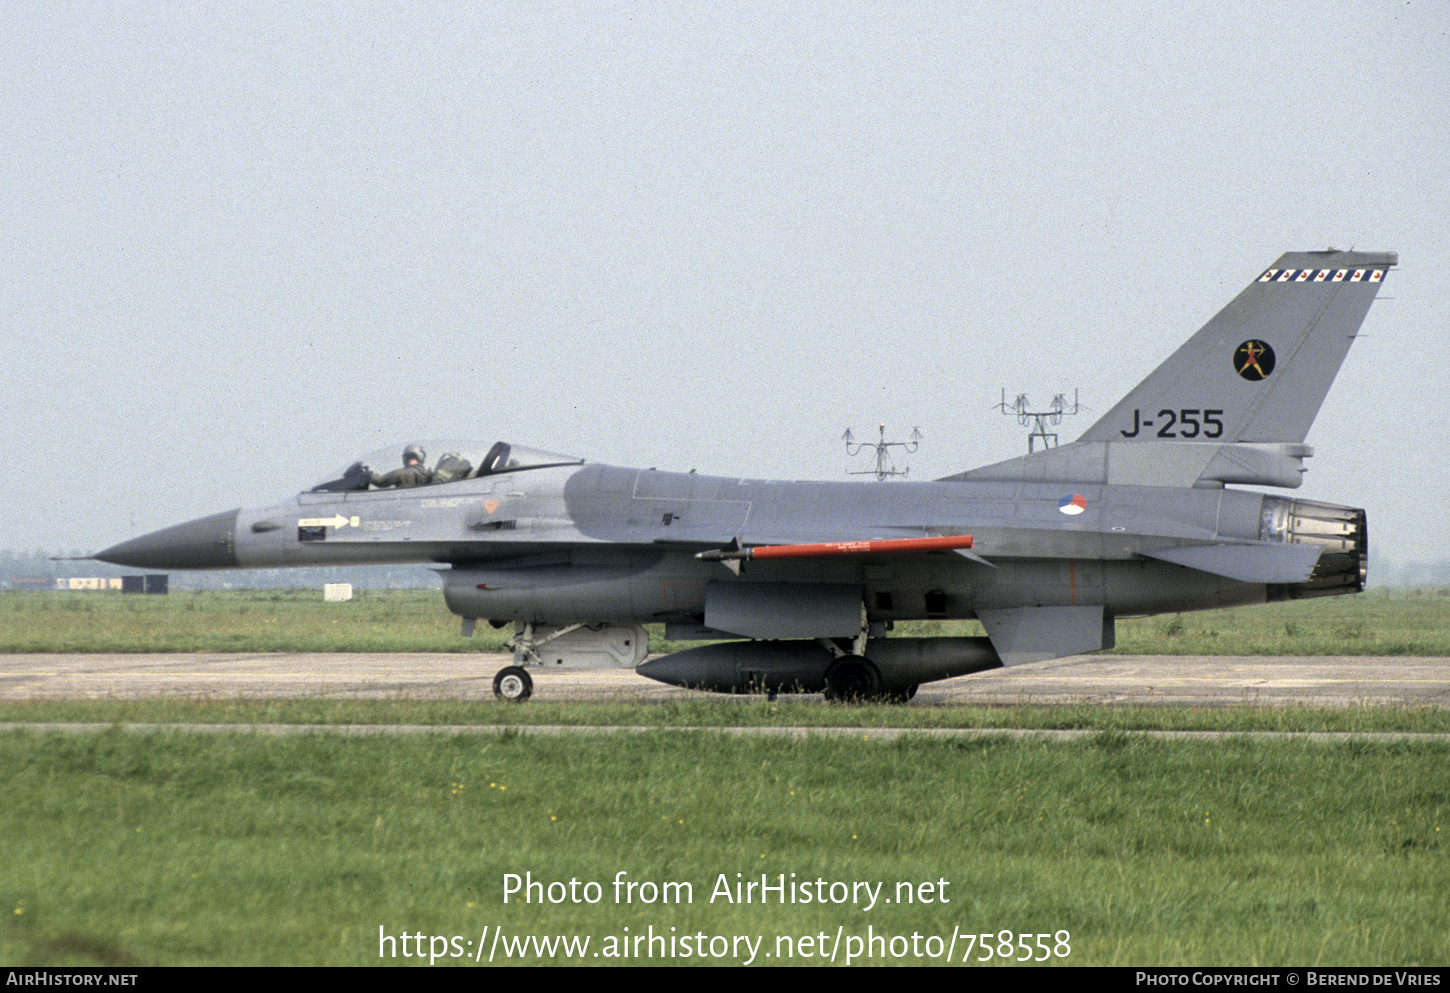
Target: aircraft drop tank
(800,666)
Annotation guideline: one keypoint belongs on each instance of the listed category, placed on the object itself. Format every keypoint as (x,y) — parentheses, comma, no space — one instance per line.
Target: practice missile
(733,555)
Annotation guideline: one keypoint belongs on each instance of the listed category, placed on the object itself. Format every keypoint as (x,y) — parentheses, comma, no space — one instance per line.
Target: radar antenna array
(882,447)
(1039,419)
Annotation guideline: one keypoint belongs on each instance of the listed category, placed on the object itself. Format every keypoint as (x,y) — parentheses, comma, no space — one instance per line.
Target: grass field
(190,849)
(1392,622)
(235,621)
(744,711)
(140,848)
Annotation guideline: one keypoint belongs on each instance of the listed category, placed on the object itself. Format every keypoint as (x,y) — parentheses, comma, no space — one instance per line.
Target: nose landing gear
(512,683)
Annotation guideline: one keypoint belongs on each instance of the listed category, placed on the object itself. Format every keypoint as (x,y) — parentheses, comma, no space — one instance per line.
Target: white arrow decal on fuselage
(328,522)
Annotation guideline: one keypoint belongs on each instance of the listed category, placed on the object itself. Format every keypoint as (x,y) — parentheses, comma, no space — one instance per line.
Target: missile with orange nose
(734,554)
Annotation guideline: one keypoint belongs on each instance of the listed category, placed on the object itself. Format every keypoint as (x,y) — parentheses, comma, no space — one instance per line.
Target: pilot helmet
(414,452)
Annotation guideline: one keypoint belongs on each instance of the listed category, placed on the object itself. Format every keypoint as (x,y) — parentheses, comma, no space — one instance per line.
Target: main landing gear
(856,679)
(852,677)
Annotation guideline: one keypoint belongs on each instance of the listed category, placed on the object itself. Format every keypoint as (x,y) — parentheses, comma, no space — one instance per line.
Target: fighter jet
(796,586)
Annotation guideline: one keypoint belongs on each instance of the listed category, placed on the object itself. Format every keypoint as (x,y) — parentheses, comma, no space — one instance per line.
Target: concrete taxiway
(1205,680)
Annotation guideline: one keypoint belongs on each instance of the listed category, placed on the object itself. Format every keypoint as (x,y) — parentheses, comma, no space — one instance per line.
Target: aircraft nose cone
(205,543)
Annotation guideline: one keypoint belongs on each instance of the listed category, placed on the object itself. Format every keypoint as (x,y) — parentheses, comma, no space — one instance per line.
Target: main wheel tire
(852,679)
(512,684)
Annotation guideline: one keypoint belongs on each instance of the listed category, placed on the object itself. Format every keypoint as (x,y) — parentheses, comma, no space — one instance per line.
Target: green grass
(1391,622)
(727,711)
(171,848)
(1382,622)
(235,621)
(162,847)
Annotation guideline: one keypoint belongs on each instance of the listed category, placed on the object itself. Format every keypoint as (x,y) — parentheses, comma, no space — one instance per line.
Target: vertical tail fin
(1234,404)
(1259,371)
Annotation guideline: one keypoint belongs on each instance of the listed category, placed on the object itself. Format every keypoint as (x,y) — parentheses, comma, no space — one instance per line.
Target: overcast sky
(245,243)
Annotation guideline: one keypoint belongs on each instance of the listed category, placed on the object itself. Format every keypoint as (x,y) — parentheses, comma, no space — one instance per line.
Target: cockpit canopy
(443,461)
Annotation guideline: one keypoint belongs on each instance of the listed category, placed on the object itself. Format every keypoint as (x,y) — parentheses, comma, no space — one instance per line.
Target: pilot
(413,472)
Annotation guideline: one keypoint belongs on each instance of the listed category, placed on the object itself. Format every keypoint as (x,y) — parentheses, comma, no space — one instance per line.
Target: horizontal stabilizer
(1246,563)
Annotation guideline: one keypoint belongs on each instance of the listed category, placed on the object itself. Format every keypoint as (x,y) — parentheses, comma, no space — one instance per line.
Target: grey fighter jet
(794,586)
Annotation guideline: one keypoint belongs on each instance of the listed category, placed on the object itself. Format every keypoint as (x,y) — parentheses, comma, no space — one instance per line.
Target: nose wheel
(512,684)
